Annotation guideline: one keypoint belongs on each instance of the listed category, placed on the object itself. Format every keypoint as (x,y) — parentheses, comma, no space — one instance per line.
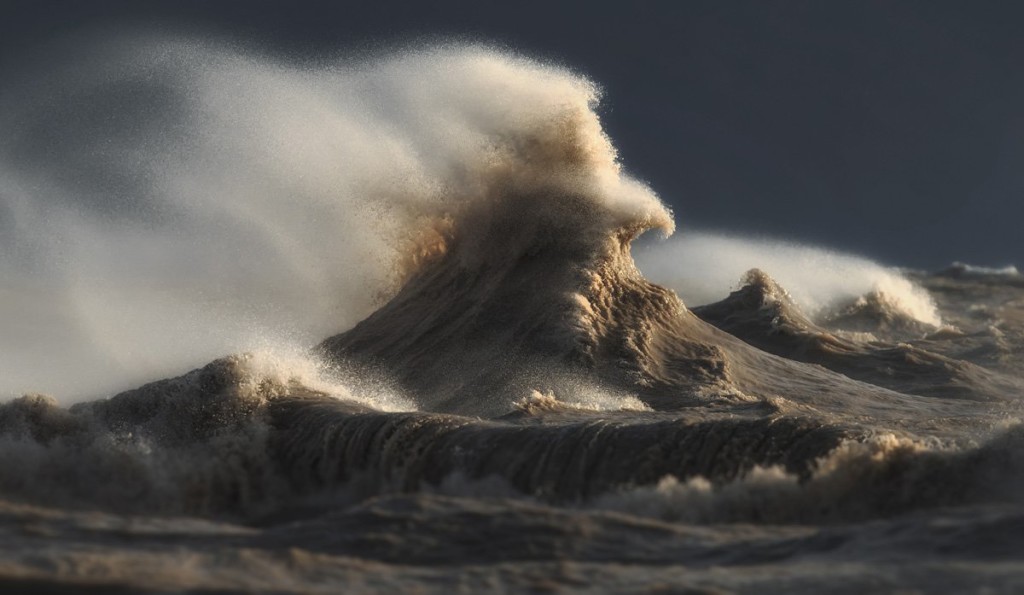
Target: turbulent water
(424,359)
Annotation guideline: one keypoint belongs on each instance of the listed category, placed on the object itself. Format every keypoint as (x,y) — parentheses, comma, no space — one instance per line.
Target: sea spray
(173,201)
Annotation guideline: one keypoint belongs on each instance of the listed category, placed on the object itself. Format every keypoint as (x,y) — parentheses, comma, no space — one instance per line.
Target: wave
(960,269)
(703,267)
(246,436)
(232,440)
(538,292)
(197,443)
(880,477)
(763,314)
(171,201)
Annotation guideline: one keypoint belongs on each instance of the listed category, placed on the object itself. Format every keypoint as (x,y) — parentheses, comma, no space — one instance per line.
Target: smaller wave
(703,267)
(960,269)
(864,340)
(883,476)
(545,402)
(196,444)
(877,314)
(294,366)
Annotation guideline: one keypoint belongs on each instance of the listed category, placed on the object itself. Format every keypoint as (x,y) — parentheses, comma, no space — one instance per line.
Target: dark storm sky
(893,129)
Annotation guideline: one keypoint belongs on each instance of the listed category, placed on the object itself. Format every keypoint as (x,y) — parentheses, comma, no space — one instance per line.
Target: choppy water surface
(424,358)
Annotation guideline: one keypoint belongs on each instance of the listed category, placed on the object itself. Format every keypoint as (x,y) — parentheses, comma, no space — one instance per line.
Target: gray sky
(894,130)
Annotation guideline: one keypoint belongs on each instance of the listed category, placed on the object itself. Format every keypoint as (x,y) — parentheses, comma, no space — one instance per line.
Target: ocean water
(377,325)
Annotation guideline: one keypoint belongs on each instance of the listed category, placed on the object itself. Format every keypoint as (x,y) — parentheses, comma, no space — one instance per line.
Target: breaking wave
(704,267)
(169,202)
(240,439)
(878,477)
(960,269)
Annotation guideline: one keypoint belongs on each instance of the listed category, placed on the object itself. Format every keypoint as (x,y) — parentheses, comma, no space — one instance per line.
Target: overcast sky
(892,129)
